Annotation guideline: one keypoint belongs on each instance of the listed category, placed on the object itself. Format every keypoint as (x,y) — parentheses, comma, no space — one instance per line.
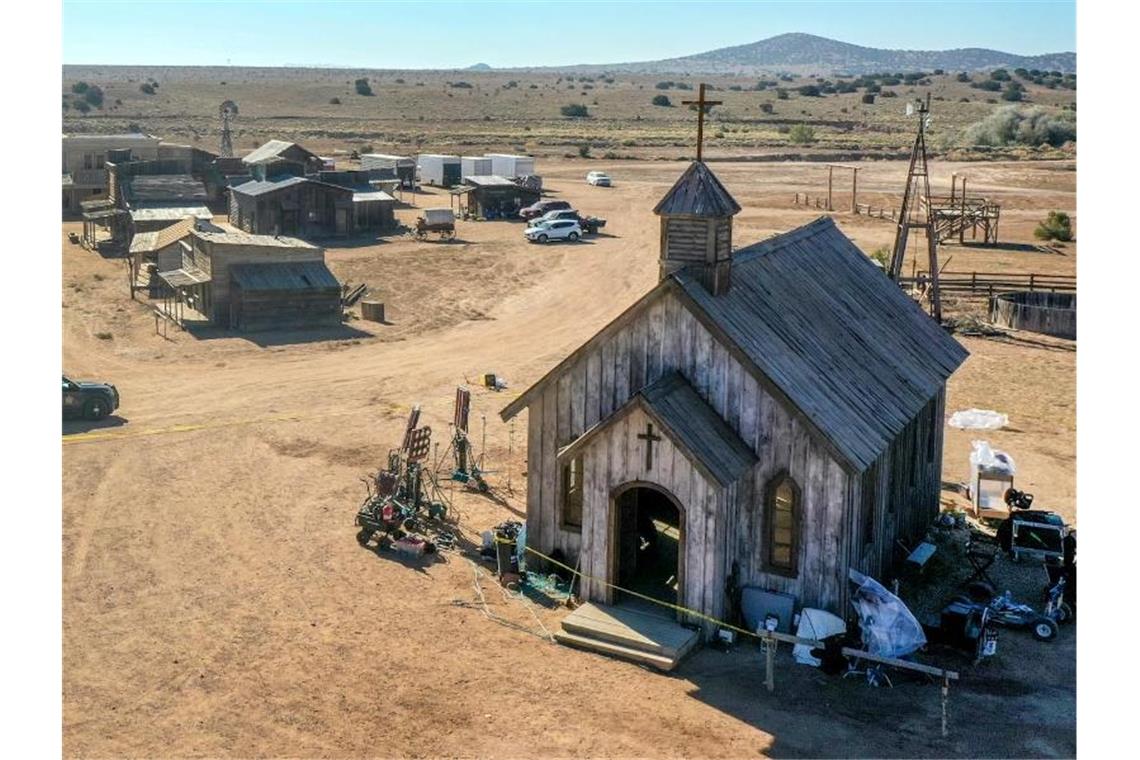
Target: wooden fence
(993,283)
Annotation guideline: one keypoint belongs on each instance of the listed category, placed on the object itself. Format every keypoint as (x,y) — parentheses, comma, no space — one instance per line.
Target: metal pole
(830,169)
(854,183)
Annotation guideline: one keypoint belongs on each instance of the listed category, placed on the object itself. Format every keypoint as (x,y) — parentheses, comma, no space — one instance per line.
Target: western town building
(229,278)
(309,207)
(492,197)
(768,416)
(84,160)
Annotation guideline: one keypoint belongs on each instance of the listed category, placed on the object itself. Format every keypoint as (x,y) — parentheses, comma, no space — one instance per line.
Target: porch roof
(690,423)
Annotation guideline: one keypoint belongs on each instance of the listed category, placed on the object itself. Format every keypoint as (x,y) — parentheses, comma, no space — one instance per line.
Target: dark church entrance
(649,547)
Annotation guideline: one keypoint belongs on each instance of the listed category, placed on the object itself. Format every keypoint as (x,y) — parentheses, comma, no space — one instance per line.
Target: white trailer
(439,169)
(477,166)
(511,166)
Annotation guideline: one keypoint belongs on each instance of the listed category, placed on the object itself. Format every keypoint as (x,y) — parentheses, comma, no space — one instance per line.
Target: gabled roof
(848,348)
(823,329)
(272,150)
(148,242)
(285,275)
(697,192)
(263,186)
(689,422)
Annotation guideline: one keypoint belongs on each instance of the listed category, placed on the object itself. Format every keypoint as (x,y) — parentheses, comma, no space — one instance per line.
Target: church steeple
(696,218)
(696,228)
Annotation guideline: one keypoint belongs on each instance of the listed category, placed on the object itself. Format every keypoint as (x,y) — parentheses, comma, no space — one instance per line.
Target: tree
(363,87)
(664,85)
(766,108)
(584,150)
(868,98)
(575,111)
(809,91)
(963,77)
(662,100)
(334,101)
(79,87)
(999,75)
(802,134)
(94,96)
(1057,226)
(781,93)
(146,88)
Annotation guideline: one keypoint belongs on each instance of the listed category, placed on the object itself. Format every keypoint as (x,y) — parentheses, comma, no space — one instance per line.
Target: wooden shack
(492,197)
(769,416)
(282,158)
(229,278)
(299,206)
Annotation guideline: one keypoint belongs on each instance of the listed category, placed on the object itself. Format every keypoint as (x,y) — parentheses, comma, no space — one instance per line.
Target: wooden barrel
(373,311)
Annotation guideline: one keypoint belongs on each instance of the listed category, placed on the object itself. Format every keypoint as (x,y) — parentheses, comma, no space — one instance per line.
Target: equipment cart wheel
(1044,630)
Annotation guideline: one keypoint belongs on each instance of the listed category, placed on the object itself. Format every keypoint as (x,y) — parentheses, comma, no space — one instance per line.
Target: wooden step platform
(644,637)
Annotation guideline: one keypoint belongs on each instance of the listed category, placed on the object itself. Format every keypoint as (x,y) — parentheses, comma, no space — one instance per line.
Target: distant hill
(479,67)
(808,54)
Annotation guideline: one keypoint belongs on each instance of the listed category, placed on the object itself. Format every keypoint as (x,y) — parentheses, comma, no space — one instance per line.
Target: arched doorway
(648,555)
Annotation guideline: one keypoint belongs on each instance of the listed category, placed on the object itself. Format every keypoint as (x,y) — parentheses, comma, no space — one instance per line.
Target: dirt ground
(216,602)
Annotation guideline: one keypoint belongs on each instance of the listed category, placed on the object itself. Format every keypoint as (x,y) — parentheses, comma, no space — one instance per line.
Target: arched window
(782,508)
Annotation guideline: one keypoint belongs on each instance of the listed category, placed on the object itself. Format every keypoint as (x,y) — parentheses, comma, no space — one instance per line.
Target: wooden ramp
(631,634)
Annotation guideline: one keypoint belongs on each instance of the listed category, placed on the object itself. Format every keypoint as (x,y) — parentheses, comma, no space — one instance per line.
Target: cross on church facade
(702,106)
(650,438)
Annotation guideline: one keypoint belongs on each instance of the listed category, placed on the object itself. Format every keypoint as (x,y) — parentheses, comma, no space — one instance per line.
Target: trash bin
(505,555)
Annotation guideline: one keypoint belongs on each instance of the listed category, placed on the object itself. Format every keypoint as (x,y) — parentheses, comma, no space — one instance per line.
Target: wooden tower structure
(915,212)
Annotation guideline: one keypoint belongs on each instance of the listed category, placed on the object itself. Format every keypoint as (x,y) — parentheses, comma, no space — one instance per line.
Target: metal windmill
(228,111)
(915,209)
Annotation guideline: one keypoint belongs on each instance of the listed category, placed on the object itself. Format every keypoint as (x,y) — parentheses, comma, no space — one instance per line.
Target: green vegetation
(79,88)
(94,96)
(584,150)
(146,88)
(868,98)
(662,100)
(781,93)
(363,87)
(809,91)
(801,134)
(1057,226)
(767,108)
(1012,125)
(882,255)
(575,111)
(334,101)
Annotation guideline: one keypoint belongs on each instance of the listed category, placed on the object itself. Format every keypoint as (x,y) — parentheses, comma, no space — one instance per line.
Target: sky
(449,34)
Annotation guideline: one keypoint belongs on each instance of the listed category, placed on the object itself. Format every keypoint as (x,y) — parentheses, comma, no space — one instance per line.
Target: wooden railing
(992,283)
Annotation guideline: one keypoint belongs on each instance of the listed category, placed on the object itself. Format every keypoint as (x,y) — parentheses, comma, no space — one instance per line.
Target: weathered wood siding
(666,336)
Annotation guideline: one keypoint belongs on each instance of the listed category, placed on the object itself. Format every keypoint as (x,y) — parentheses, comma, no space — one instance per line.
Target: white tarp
(889,628)
(978,419)
(986,457)
(818,625)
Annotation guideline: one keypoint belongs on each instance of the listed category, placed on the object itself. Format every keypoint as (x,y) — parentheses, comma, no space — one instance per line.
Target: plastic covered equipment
(818,625)
(985,457)
(889,628)
(978,419)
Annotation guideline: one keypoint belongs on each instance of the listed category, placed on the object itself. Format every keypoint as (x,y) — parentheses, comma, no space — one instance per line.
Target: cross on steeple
(702,106)
(650,439)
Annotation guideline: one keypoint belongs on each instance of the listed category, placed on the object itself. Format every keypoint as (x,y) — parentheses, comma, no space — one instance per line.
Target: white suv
(599,179)
(558,229)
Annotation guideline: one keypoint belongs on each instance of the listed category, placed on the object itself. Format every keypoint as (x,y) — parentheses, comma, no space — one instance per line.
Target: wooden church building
(768,416)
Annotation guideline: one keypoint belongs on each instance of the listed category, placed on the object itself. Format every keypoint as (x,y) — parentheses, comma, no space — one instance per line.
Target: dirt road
(216,603)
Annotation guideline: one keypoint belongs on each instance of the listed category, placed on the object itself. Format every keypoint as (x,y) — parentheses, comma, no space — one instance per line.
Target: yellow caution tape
(671,606)
(188,428)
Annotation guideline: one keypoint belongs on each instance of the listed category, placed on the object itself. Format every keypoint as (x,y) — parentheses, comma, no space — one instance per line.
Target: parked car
(92,401)
(559,229)
(589,224)
(598,179)
(539,208)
